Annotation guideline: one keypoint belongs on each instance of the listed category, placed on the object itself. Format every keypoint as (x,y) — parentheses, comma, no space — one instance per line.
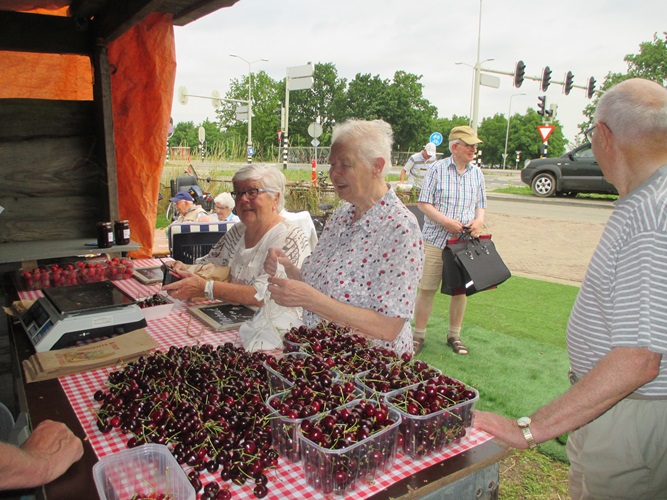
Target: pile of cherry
(209,404)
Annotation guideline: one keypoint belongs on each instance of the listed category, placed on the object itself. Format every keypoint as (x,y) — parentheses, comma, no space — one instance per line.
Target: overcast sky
(424,37)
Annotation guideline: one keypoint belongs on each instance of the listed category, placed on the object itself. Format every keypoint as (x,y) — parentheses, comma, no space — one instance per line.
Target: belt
(634,395)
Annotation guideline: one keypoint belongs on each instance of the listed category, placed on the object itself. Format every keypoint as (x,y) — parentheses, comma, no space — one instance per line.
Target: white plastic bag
(264,332)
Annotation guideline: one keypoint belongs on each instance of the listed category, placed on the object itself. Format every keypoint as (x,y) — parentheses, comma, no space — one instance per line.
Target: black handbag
(471,265)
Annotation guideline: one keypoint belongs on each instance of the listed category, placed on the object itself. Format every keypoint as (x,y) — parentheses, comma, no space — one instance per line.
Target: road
(550,239)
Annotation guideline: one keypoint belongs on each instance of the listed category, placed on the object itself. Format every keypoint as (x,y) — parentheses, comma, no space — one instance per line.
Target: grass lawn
(518,362)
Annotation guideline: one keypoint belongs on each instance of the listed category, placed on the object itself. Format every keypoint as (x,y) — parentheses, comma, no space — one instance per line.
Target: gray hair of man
(632,115)
(225,200)
(451,144)
(375,139)
(270,179)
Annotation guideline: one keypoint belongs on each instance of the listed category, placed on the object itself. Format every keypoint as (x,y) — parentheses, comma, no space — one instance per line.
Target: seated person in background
(259,194)
(366,266)
(46,455)
(223,204)
(188,211)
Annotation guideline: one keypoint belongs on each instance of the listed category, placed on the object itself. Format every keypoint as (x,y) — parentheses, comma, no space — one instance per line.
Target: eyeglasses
(469,146)
(589,132)
(251,193)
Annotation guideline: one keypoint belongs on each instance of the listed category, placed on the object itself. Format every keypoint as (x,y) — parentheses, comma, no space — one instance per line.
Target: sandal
(457,346)
(417,346)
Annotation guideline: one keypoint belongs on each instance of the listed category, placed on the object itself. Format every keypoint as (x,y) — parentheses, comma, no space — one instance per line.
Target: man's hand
(49,451)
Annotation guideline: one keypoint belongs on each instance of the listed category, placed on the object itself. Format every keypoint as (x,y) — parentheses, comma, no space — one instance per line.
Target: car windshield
(586,152)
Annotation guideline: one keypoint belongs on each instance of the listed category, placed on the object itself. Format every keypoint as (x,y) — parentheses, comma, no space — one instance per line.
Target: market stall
(471,462)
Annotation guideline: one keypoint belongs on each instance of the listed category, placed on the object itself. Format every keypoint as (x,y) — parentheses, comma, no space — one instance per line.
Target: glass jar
(104,235)
(121,232)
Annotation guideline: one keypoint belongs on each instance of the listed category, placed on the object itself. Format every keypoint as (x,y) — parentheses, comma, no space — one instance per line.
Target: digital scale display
(66,315)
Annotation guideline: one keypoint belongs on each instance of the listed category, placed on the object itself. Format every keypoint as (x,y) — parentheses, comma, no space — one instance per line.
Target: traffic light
(519,74)
(591,87)
(541,104)
(546,78)
(569,81)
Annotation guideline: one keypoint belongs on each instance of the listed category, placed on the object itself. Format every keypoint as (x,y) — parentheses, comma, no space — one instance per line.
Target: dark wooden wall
(52,182)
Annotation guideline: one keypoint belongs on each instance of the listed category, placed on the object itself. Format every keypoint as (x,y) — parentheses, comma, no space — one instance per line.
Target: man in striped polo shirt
(616,408)
(418,164)
(453,199)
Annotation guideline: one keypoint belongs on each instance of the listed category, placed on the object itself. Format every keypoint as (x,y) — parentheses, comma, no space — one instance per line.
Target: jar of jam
(104,235)
(121,232)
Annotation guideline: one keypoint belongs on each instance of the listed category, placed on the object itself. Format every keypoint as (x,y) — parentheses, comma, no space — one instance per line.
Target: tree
(649,63)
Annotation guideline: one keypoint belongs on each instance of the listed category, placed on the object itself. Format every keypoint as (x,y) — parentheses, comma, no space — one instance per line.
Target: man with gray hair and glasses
(616,408)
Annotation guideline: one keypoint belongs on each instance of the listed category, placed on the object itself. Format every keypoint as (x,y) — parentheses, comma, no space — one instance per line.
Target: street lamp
(478,68)
(507,134)
(473,94)
(249,63)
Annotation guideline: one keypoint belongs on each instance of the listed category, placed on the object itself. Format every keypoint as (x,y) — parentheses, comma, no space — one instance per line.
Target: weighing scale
(68,314)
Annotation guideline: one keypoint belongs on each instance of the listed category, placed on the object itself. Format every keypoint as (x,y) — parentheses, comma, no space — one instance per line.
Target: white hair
(375,139)
(225,200)
(270,178)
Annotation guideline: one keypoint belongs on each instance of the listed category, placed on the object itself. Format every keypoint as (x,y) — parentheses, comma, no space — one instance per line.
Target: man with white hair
(188,211)
(616,408)
(417,165)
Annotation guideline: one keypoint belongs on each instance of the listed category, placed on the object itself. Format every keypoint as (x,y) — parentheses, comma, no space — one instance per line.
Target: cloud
(425,37)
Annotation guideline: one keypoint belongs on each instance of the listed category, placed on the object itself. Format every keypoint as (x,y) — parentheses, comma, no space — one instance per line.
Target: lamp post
(474,94)
(478,68)
(507,134)
(249,63)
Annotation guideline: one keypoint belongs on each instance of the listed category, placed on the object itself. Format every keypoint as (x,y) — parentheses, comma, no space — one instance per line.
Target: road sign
(301,83)
(182,95)
(314,129)
(545,131)
(315,143)
(489,80)
(251,151)
(202,134)
(436,138)
(241,113)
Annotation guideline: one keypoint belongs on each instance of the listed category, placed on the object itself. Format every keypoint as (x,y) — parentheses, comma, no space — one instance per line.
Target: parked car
(575,172)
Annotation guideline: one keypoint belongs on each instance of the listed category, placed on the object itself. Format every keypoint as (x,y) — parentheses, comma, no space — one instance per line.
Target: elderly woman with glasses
(259,192)
(364,271)
(223,205)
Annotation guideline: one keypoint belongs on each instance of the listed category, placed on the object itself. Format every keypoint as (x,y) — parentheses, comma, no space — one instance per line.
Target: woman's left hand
(188,287)
(289,293)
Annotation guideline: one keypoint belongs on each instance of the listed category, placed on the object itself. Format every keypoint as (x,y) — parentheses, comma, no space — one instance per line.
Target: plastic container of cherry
(156,306)
(92,271)
(348,445)
(381,380)
(303,400)
(64,274)
(284,371)
(34,278)
(119,269)
(434,414)
(146,471)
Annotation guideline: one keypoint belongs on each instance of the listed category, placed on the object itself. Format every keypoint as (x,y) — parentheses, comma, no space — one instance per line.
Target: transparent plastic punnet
(149,469)
(424,435)
(377,386)
(340,471)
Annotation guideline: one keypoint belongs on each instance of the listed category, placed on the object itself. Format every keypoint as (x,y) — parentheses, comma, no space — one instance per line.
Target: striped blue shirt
(454,194)
(623,299)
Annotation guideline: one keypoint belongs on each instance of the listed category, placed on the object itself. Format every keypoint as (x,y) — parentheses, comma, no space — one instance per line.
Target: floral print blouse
(374,263)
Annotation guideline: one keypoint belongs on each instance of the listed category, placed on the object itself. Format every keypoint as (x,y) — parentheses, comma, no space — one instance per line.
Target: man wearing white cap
(453,199)
(418,164)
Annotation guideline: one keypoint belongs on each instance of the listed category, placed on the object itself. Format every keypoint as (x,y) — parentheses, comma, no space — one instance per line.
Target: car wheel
(544,185)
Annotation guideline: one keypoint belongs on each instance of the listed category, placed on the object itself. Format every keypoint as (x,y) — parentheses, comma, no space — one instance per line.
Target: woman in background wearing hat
(364,271)
(453,199)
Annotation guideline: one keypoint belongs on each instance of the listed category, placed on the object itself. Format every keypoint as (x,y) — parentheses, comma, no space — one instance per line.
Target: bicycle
(321,220)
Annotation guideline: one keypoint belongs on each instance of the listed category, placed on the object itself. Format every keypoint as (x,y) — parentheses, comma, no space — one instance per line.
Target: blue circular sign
(436,138)
(251,151)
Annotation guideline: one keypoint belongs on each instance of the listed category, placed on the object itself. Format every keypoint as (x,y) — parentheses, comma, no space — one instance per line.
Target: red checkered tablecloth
(180,329)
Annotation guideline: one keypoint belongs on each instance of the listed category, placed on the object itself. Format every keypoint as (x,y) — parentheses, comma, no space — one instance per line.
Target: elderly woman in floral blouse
(365,269)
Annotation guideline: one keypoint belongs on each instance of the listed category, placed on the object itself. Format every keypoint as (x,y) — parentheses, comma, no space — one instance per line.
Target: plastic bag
(264,332)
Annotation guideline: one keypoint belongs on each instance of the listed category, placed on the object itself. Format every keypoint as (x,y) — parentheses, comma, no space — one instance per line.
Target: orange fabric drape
(142,88)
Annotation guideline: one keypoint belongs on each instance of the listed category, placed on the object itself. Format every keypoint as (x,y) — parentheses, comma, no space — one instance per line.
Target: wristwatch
(524,425)
(208,290)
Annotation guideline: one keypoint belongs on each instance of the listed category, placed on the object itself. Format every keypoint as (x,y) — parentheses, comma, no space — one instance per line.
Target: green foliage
(649,63)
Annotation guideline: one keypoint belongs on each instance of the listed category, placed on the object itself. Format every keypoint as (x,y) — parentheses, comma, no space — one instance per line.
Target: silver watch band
(208,290)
